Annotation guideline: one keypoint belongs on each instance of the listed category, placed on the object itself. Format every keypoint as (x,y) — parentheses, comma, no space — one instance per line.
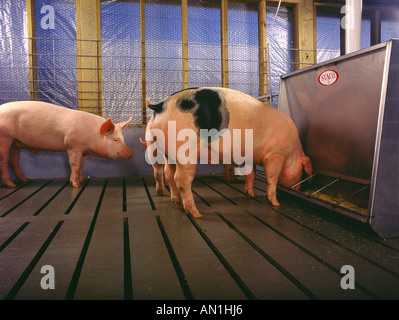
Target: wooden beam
(33,81)
(304,34)
(184,24)
(262,47)
(225,42)
(89,55)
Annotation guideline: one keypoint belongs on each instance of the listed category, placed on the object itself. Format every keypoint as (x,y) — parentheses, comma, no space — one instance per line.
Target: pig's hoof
(179,205)
(75,185)
(192,210)
(250,194)
(11,185)
(176,200)
(161,192)
(273,201)
(196,215)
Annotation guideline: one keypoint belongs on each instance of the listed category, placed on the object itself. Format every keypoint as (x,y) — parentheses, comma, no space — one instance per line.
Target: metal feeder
(347,114)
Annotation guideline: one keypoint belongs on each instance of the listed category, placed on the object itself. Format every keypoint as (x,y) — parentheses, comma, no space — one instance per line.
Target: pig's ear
(124,124)
(307,164)
(107,127)
(147,102)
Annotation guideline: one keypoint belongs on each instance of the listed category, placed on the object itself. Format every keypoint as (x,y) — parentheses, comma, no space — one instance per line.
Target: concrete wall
(47,164)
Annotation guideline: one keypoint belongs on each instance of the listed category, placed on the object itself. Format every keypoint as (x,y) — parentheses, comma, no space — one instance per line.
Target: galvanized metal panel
(346,113)
(337,123)
(385,201)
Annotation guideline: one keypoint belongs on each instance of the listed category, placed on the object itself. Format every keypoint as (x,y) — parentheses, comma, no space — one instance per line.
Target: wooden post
(304,34)
(33,81)
(184,25)
(225,43)
(143,68)
(262,47)
(89,55)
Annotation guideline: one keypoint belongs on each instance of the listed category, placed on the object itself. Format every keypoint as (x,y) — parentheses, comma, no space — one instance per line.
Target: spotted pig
(275,142)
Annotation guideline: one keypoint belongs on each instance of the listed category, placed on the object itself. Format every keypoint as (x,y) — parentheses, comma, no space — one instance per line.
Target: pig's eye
(116,139)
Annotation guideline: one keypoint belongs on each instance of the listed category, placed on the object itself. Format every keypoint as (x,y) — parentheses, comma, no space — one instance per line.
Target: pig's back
(270,126)
(222,108)
(216,107)
(41,125)
(247,112)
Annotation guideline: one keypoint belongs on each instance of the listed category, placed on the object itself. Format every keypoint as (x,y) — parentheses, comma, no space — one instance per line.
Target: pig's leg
(228,174)
(82,162)
(75,160)
(184,177)
(249,183)
(14,162)
(272,166)
(5,145)
(165,170)
(158,175)
(170,170)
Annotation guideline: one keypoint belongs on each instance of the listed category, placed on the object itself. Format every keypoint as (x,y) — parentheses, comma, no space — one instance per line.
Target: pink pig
(276,144)
(39,126)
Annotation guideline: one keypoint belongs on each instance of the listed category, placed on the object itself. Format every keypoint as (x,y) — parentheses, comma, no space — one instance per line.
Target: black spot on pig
(208,107)
(186,105)
(158,108)
(211,112)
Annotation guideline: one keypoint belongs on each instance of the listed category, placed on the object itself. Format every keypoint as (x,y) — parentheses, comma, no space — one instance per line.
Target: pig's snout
(126,153)
(130,154)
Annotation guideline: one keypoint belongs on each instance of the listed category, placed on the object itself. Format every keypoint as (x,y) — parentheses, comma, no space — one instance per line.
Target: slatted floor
(116,239)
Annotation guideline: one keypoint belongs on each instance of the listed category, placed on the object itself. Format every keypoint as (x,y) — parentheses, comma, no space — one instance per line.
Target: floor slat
(115,238)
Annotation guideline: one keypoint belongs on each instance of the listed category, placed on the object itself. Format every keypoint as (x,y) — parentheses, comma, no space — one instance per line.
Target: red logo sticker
(328,77)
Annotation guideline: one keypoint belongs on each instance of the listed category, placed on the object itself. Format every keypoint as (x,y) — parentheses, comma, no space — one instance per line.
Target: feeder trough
(347,114)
